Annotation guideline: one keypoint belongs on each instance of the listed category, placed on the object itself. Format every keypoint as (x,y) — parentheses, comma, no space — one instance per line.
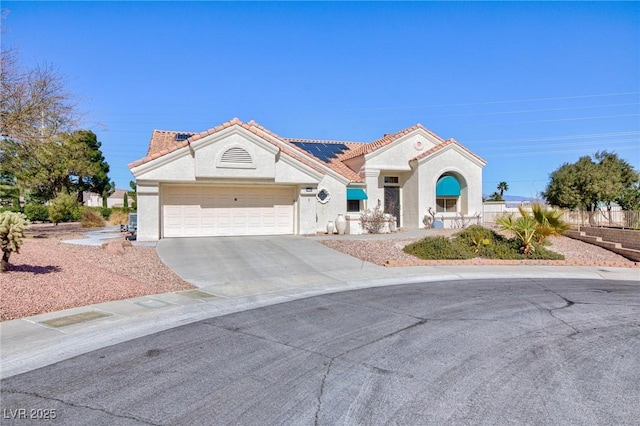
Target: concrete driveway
(510,351)
(230,266)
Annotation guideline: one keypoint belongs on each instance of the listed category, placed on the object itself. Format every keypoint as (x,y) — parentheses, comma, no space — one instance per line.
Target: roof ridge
(329,141)
(386,140)
(446,143)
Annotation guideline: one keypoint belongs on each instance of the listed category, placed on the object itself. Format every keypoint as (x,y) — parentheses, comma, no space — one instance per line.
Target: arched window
(447,194)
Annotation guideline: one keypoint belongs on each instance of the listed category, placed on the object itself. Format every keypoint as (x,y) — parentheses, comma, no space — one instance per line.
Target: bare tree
(34,103)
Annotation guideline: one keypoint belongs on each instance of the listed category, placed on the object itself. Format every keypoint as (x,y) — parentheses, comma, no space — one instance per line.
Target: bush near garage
(476,241)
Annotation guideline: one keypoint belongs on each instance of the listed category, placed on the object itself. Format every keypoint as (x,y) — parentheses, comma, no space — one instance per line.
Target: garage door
(193,211)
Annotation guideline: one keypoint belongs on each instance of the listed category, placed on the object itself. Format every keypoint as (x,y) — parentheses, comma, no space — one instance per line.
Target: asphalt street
(511,351)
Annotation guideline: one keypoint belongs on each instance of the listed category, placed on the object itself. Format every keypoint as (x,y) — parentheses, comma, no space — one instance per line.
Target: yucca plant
(549,221)
(524,229)
(12,226)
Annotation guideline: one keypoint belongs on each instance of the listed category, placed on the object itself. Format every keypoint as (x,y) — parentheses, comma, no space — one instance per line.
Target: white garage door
(194,211)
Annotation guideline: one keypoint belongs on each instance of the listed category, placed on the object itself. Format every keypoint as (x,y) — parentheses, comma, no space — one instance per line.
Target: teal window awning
(448,186)
(356,194)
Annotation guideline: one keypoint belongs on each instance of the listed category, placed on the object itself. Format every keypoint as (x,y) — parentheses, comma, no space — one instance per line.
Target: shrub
(438,248)
(12,226)
(477,241)
(12,209)
(534,228)
(118,218)
(64,208)
(36,212)
(91,219)
(105,212)
(372,220)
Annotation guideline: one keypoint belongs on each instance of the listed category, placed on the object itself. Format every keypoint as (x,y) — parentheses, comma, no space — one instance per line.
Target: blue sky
(527,86)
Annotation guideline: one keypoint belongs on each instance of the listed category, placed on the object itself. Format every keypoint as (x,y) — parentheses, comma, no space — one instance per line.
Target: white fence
(614,217)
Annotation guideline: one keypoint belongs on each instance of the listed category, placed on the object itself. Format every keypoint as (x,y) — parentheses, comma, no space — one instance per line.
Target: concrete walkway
(280,269)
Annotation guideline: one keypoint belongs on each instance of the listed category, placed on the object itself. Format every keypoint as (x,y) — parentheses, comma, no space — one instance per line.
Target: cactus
(12,226)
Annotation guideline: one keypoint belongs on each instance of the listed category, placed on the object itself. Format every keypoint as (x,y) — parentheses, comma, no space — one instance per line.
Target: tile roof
(336,163)
(443,145)
(387,139)
(163,142)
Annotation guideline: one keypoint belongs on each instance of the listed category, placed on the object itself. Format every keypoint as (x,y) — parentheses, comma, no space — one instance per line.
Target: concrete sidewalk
(232,274)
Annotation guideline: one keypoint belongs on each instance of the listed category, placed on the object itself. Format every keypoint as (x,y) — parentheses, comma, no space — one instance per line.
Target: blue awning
(356,194)
(447,186)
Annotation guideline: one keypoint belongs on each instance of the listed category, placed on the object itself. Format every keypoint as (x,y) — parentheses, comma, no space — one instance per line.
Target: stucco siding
(396,156)
(258,164)
(148,203)
(412,218)
(451,161)
(337,203)
(178,167)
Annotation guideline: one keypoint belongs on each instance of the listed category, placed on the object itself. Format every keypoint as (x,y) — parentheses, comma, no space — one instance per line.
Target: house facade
(91,199)
(242,179)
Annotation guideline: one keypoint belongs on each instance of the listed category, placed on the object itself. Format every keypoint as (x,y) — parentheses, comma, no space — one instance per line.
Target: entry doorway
(392,202)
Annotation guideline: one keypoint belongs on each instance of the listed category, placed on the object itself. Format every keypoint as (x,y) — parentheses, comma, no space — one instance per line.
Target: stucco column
(148,203)
(374,192)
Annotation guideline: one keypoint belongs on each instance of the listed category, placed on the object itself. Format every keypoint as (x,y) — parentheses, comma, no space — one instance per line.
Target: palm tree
(549,221)
(502,187)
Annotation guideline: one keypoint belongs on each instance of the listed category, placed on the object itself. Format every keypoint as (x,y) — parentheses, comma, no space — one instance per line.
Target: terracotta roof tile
(164,142)
(443,145)
(386,140)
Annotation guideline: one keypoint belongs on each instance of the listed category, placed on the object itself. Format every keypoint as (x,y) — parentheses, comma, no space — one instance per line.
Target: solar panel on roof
(183,136)
(322,151)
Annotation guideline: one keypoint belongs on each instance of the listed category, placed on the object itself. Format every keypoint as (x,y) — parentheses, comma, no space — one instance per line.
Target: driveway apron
(220,264)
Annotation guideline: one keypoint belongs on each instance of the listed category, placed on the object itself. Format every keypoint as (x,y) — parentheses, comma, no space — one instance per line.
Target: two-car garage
(206,210)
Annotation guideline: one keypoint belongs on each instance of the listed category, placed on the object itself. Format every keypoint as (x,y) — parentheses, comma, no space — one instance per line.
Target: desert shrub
(91,219)
(437,248)
(118,218)
(372,220)
(36,212)
(478,235)
(477,241)
(12,209)
(106,213)
(64,208)
(12,226)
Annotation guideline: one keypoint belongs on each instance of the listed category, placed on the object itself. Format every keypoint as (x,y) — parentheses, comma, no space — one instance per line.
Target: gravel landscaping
(49,275)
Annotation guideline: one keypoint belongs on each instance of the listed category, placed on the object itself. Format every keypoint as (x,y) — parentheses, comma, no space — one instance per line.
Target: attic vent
(180,137)
(237,156)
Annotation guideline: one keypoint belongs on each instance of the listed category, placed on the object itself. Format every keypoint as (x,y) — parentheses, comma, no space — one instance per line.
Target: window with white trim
(446,204)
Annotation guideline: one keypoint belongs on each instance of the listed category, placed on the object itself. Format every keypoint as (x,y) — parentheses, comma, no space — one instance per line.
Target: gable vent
(237,156)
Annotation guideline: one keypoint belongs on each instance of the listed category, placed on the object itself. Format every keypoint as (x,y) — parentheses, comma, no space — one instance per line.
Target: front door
(392,202)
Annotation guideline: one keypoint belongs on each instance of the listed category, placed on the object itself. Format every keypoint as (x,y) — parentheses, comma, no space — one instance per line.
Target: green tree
(72,162)
(133,195)
(91,171)
(589,183)
(9,191)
